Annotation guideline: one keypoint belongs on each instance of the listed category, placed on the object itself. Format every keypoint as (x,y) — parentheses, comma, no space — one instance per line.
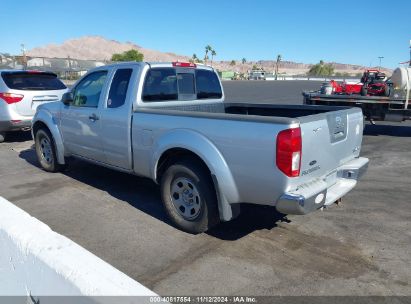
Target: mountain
(100,48)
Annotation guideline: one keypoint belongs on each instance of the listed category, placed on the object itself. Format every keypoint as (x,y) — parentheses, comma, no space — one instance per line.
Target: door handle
(93,117)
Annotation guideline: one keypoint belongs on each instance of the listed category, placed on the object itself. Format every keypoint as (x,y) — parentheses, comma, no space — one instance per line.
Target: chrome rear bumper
(315,195)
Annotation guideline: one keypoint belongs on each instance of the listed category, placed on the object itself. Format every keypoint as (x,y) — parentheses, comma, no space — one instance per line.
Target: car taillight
(289,152)
(184,64)
(11,97)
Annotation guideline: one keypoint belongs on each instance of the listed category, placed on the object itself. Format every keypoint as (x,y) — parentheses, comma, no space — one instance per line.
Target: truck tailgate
(329,140)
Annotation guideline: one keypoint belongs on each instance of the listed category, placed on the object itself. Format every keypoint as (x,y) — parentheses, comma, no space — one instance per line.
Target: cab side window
(87,92)
(208,85)
(118,90)
(160,84)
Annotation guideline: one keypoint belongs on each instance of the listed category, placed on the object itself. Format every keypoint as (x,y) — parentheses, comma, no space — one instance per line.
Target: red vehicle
(346,88)
(372,84)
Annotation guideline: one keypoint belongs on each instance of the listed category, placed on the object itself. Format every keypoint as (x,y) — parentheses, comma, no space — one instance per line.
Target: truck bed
(290,111)
(245,137)
(279,113)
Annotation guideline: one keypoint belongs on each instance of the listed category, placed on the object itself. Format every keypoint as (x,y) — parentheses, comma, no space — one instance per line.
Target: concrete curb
(34,260)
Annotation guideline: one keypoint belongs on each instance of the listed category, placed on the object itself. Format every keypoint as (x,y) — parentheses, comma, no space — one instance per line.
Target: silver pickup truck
(169,122)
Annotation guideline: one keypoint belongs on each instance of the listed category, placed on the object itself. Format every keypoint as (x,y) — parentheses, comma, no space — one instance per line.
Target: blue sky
(304,31)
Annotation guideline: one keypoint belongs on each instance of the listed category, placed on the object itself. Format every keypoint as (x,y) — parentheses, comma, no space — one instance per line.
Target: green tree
(321,69)
(232,63)
(194,58)
(131,55)
(243,61)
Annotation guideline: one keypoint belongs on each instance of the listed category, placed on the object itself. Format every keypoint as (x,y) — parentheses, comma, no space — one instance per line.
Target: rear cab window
(32,81)
(208,85)
(171,84)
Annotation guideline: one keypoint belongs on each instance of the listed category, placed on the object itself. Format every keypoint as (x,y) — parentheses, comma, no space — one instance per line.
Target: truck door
(116,116)
(80,121)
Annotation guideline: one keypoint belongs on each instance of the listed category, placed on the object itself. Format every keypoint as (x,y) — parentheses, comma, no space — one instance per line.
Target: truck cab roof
(156,64)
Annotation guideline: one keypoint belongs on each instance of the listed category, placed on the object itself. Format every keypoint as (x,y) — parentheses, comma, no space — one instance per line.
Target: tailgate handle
(45,98)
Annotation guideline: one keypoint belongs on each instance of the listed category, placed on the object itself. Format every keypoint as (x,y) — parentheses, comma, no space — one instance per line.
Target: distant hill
(100,48)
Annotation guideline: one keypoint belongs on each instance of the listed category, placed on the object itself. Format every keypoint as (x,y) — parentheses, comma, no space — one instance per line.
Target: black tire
(364,91)
(46,156)
(193,177)
(2,136)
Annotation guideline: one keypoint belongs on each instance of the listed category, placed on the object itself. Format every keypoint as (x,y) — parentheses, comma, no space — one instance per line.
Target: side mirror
(67,98)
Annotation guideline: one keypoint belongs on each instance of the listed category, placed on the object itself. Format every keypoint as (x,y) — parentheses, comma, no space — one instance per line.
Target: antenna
(380,57)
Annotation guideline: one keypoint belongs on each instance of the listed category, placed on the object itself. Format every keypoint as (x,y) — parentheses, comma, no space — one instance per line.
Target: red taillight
(11,97)
(289,153)
(184,64)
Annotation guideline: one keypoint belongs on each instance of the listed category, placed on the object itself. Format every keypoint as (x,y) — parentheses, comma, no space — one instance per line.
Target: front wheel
(46,151)
(189,197)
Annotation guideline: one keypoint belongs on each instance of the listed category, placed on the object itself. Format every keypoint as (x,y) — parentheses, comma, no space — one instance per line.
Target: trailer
(374,107)
(395,107)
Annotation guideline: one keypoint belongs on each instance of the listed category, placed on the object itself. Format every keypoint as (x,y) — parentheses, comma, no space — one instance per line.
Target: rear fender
(198,144)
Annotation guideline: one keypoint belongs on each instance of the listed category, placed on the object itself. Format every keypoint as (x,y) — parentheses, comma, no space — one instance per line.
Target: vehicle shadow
(387,130)
(144,195)
(19,136)
(252,218)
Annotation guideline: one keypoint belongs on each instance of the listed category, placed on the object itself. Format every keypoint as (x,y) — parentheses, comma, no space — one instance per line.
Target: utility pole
(380,57)
(276,66)
(23,51)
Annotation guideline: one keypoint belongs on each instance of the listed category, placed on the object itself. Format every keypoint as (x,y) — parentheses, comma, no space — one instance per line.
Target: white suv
(20,94)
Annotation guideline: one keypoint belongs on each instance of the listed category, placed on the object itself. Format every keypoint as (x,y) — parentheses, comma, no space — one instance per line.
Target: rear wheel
(46,151)
(2,136)
(189,196)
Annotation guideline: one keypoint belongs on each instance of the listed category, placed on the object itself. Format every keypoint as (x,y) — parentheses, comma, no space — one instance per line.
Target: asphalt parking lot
(361,247)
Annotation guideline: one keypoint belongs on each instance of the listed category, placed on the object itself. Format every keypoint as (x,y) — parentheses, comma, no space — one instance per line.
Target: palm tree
(276,65)
(194,58)
(243,60)
(208,48)
(213,53)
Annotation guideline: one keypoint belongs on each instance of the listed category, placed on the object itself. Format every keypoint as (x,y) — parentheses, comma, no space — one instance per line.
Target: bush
(131,55)
(321,69)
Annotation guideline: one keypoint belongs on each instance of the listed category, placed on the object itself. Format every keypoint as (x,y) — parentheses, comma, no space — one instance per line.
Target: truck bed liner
(283,113)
